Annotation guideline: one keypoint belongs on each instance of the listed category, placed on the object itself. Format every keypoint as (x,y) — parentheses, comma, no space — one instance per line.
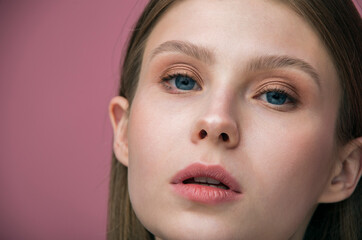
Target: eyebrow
(274,62)
(267,62)
(199,52)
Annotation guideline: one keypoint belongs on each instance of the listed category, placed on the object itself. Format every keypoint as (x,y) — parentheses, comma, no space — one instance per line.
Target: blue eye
(276,97)
(179,83)
(184,82)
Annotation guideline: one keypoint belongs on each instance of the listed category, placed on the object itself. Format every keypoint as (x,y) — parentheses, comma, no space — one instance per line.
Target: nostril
(202,134)
(224,137)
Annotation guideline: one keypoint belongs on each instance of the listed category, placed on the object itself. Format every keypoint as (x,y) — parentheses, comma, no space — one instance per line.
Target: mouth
(209,184)
(206,181)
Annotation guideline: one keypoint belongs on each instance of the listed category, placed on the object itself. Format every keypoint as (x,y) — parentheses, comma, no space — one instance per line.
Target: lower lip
(205,194)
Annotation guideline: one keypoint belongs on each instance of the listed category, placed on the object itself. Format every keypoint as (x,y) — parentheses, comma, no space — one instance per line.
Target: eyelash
(291,103)
(165,82)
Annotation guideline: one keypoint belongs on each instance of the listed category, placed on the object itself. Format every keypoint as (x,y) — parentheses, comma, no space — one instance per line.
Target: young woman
(239,120)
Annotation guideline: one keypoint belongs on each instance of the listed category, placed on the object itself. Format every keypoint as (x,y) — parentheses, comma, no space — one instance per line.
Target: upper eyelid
(169,77)
(183,69)
(279,85)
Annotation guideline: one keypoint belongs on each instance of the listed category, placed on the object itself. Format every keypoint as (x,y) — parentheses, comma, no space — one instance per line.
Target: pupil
(184,83)
(276,98)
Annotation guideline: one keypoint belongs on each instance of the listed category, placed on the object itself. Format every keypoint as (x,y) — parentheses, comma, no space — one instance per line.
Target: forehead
(236,30)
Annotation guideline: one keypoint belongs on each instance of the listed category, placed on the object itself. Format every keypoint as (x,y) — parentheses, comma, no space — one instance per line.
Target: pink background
(58,71)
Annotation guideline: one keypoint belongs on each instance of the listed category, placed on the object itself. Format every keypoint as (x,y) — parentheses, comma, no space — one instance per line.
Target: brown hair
(340,28)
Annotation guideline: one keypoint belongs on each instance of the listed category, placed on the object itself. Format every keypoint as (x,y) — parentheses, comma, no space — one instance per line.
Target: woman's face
(242,92)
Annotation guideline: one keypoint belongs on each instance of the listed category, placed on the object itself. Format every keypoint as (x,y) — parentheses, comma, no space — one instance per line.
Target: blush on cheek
(291,170)
(150,142)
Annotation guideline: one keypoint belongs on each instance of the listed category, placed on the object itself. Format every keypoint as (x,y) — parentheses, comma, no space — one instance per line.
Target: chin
(203,233)
(194,227)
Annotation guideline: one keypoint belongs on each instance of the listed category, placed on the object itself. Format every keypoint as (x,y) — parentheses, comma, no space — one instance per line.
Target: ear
(118,113)
(346,174)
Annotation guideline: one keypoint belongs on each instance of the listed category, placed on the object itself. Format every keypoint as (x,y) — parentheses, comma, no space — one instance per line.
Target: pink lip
(203,193)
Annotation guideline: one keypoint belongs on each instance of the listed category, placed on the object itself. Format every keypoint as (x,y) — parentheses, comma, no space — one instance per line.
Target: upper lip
(211,171)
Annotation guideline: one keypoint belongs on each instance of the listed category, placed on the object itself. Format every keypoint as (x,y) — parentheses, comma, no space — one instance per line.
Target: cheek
(155,137)
(143,144)
(302,157)
(291,163)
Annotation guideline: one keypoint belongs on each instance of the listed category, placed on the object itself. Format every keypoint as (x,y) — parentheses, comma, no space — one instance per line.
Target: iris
(276,98)
(184,82)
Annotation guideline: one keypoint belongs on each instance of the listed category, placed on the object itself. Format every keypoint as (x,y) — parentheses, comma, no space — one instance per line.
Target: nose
(217,126)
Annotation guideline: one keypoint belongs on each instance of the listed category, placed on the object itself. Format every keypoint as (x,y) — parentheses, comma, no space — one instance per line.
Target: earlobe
(118,113)
(346,174)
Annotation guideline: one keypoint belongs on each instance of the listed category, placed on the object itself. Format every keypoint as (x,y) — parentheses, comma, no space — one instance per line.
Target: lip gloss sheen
(201,192)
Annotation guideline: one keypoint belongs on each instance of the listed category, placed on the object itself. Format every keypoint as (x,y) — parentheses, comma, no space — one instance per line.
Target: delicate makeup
(180,78)
(232,122)
(276,94)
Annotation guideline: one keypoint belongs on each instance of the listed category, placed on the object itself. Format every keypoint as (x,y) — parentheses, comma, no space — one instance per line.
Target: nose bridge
(218,113)
(217,122)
